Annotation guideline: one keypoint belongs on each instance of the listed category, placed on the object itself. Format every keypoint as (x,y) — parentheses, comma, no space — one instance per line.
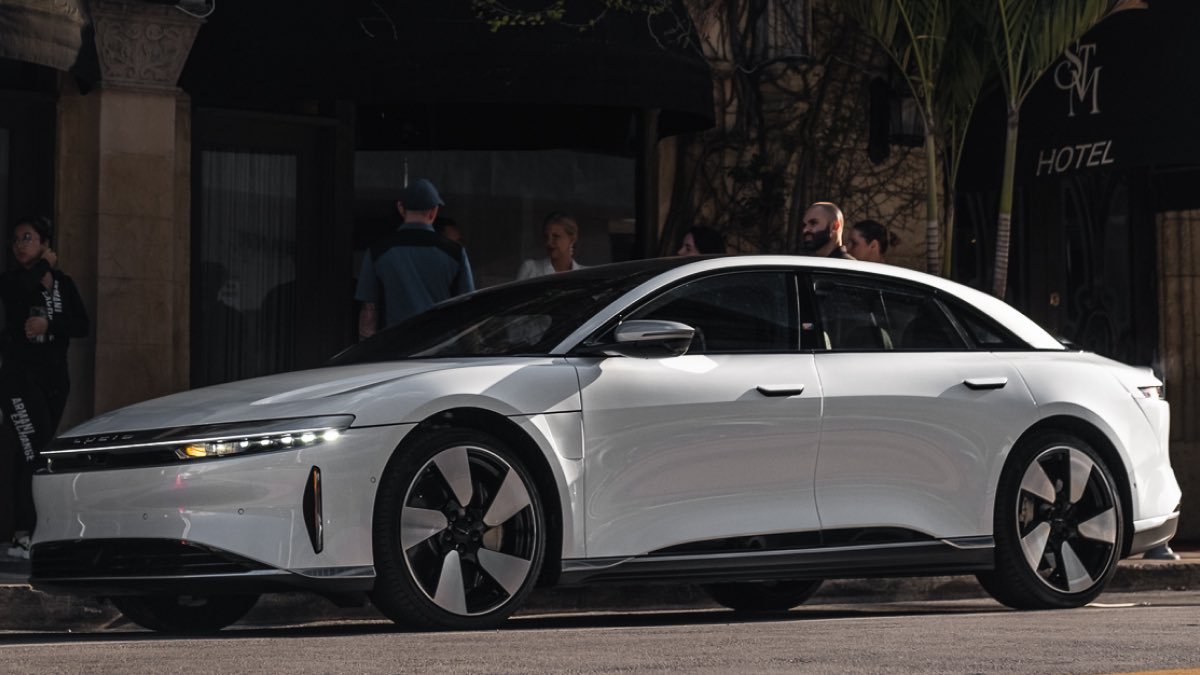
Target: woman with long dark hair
(701,240)
(43,311)
(870,241)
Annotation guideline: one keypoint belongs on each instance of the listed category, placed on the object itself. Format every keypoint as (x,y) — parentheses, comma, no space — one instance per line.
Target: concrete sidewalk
(23,609)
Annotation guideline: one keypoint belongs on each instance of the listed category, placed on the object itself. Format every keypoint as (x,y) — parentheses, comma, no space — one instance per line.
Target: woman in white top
(561,232)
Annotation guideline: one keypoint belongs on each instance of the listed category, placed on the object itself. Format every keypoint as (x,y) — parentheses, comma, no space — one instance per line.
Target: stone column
(1179,336)
(139,217)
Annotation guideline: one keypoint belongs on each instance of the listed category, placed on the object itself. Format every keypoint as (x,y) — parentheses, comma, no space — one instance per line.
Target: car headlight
(253,443)
(185,444)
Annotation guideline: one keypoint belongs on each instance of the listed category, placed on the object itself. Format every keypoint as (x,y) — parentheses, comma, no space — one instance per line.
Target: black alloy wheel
(1058,526)
(458,533)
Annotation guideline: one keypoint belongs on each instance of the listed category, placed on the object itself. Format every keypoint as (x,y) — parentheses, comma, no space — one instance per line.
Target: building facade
(216,175)
(1106,223)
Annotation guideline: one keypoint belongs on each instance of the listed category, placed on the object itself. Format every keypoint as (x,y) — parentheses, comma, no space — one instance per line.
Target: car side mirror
(644,338)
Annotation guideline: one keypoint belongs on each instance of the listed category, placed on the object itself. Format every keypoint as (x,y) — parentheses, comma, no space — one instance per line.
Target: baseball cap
(420,195)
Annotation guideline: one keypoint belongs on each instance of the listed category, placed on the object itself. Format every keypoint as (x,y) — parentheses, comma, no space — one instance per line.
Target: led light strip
(234,439)
(225,448)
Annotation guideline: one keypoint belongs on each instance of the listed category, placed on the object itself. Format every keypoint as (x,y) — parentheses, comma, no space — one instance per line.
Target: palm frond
(959,86)
(1028,36)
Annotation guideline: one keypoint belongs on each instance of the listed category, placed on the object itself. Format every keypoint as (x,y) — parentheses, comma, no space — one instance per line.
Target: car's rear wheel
(458,533)
(1058,525)
(184,614)
(763,596)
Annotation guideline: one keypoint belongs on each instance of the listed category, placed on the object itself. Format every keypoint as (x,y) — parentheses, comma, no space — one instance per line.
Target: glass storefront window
(498,199)
(247,277)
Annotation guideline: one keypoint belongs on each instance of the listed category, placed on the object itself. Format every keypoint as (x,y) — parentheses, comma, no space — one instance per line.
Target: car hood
(377,392)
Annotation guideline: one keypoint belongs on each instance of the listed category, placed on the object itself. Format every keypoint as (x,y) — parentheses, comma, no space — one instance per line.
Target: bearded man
(822,233)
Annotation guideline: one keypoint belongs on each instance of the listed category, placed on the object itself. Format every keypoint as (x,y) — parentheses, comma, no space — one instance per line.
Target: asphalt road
(1148,631)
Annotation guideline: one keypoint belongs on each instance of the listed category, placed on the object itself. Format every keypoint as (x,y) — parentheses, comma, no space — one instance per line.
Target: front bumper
(235,523)
(1153,532)
(108,567)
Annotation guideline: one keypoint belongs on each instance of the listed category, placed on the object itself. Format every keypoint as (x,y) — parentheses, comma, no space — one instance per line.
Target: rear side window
(859,315)
(985,333)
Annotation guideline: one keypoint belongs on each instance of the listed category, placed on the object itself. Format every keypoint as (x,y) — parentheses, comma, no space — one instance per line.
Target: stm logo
(1078,76)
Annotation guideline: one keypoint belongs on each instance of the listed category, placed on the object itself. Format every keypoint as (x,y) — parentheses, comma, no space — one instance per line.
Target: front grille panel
(128,558)
(100,459)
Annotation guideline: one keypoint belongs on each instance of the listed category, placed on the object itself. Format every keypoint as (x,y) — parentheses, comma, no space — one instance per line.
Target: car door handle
(780,389)
(985,382)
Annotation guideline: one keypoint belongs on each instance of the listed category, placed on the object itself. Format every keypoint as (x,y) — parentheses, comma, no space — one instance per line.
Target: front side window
(736,312)
(864,316)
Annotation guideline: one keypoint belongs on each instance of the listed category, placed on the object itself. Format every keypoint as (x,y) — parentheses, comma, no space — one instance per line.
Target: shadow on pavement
(124,631)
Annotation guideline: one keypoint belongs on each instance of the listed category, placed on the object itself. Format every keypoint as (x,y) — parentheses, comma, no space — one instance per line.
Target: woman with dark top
(870,240)
(42,311)
(701,240)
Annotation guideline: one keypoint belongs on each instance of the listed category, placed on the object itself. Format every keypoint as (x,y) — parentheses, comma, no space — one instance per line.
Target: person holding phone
(42,312)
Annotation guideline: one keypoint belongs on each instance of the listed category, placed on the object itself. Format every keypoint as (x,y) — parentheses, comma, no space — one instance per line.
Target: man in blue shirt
(413,268)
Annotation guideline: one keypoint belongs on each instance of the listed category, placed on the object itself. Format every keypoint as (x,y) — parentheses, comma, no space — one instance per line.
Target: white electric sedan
(752,424)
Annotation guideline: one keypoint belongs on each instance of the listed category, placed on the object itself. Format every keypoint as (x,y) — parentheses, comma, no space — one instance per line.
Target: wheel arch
(1102,444)
(536,463)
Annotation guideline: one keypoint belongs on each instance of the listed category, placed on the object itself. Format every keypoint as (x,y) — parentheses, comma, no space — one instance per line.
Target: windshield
(523,318)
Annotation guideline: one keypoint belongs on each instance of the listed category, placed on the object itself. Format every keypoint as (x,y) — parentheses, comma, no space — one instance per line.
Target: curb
(24,609)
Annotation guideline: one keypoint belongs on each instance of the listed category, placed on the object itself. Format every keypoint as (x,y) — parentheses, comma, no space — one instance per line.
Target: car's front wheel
(1058,525)
(763,596)
(458,533)
(184,614)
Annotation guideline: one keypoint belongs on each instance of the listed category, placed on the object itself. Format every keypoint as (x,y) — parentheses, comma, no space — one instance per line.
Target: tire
(440,563)
(763,596)
(1058,525)
(184,614)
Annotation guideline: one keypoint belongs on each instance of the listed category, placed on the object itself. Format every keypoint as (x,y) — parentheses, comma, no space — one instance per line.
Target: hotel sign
(1126,95)
(1080,77)
(1077,75)
(1073,157)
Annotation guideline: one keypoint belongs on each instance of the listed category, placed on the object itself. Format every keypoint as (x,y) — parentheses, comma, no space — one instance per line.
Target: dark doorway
(27,122)
(271,278)
(1091,261)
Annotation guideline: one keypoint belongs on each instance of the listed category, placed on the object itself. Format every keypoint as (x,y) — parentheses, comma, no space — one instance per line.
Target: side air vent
(314,519)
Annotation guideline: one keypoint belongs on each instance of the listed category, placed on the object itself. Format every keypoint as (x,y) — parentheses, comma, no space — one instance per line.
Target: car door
(712,450)
(918,414)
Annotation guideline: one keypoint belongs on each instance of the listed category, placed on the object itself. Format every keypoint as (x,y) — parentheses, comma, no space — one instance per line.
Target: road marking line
(1179,671)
